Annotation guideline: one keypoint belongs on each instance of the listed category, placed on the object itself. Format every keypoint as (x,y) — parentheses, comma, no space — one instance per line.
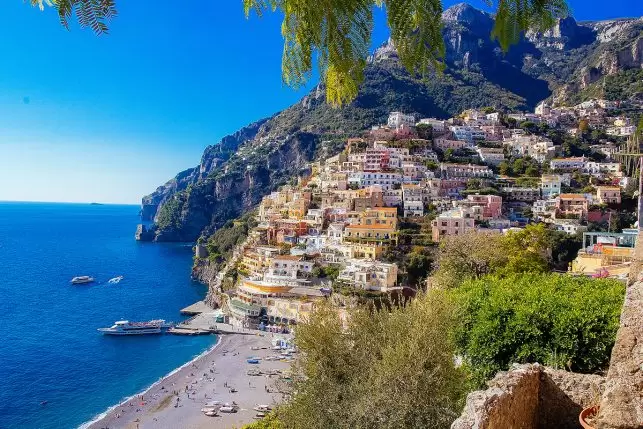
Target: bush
(556,320)
(387,369)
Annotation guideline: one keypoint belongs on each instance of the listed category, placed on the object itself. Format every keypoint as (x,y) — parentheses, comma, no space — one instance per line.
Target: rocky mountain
(237,172)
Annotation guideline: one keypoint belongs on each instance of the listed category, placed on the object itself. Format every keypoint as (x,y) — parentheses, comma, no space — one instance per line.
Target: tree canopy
(338,33)
(476,254)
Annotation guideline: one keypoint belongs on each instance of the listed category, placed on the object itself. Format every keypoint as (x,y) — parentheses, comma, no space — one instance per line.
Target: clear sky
(108,119)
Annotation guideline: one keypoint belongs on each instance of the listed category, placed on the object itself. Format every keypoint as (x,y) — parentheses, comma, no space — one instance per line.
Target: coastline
(176,399)
(145,390)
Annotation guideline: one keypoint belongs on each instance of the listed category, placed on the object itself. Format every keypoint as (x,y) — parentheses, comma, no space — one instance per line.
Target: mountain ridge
(234,174)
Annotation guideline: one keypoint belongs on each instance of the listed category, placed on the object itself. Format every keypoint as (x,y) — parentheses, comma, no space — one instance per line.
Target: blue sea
(49,347)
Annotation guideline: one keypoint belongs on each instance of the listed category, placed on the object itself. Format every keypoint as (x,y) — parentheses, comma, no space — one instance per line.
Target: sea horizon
(69,202)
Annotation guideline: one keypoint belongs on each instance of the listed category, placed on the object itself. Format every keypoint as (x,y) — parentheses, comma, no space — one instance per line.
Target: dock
(203,321)
(197,308)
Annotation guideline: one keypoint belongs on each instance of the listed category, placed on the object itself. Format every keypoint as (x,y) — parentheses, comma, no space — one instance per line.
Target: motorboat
(262,408)
(125,327)
(82,280)
(260,415)
(212,413)
(253,361)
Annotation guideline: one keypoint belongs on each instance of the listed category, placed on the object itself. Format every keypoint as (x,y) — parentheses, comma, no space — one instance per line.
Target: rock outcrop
(530,396)
(622,402)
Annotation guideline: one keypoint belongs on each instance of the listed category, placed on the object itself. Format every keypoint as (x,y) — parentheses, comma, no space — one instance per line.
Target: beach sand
(206,379)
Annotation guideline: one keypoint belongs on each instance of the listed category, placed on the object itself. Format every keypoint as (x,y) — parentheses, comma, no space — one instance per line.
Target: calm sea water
(49,347)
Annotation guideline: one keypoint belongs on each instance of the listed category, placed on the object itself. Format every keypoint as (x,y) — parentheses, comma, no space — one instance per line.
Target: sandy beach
(176,400)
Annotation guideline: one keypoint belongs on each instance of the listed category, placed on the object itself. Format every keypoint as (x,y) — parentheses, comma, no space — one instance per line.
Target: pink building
(444,144)
(485,207)
(608,194)
(453,222)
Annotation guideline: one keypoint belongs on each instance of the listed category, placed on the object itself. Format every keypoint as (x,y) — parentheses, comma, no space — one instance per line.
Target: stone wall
(622,402)
(530,396)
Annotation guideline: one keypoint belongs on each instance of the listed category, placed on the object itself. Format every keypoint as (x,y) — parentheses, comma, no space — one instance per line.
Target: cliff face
(234,174)
(617,48)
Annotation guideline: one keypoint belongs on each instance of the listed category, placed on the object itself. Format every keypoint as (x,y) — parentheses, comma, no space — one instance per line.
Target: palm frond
(94,14)
(514,17)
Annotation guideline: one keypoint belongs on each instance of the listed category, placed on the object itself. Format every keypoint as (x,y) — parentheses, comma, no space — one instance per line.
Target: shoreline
(145,390)
(176,399)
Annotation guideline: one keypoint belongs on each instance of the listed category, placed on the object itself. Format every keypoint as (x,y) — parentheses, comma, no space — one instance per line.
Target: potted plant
(587,415)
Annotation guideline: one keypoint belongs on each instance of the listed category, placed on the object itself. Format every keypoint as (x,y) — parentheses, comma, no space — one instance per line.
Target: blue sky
(86,118)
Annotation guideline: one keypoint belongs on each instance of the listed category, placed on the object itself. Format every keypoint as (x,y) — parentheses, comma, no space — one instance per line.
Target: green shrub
(556,320)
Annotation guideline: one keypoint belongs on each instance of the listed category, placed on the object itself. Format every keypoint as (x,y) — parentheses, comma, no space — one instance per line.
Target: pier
(203,321)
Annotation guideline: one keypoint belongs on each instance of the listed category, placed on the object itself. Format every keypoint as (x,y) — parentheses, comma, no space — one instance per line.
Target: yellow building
(367,251)
(379,216)
(370,234)
(605,254)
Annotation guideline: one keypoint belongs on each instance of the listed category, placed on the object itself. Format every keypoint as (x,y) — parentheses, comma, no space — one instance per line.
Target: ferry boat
(125,327)
(82,280)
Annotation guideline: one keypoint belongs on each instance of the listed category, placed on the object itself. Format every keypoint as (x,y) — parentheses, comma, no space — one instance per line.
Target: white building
(543,109)
(467,133)
(468,171)
(437,124)
(543,208)
(592,167)
(490,156)
(364,179)
(398,120)
(567,164)
(369,274)
(412,196)
(550,185)
(568,226)
(539,148)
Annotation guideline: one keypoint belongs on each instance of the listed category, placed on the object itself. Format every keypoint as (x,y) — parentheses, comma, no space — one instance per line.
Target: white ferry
(125,327)
(82,280)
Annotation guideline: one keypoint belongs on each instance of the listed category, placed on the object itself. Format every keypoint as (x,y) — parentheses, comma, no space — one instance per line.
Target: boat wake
(115,280)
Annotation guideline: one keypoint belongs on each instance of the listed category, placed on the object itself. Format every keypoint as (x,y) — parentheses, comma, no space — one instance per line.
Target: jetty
(197,308)
(206,320)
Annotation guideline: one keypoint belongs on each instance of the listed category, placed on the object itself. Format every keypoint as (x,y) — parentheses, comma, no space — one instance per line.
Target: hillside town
(419,180)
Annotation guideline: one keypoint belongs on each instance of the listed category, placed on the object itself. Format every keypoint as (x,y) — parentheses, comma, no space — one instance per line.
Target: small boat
(115,280)
(253,361)
(228,409)
(260,415)
(213,404)
(125,327)
(262,408)
(212,413)
(82,280)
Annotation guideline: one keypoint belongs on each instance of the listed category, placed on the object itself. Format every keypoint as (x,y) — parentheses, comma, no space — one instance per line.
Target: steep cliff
(615,54)
(234,174)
